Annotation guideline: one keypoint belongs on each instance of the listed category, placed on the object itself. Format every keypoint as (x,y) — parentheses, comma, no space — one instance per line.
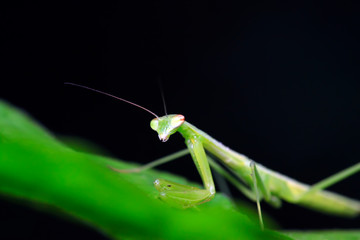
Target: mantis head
(167,125)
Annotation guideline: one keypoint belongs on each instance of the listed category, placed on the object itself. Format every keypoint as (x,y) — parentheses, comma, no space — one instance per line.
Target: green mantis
(257,182)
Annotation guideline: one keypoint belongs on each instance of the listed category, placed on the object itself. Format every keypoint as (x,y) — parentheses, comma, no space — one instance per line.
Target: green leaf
(36,167)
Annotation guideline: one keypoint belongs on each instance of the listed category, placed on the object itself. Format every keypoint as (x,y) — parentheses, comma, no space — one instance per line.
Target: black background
(276,81)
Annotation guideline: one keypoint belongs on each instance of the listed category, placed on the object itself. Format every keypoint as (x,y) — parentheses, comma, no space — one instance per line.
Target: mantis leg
(241,187)
(327,182)
(155,163)
(249,193)
(258,184)
(186,196)
(259,187)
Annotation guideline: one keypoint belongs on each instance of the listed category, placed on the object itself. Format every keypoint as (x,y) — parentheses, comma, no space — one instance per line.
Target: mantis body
(272,186)
(259,182)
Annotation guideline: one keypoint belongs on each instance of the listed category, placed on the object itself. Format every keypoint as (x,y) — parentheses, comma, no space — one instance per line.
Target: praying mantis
(257,182)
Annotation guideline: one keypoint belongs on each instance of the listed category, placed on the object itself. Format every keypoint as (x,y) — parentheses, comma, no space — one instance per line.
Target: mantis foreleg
(187,196)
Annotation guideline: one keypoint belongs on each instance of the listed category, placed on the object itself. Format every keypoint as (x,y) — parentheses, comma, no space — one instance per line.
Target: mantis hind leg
(187,196)
(329,181)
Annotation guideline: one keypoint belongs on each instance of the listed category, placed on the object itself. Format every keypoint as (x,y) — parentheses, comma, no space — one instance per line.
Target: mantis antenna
(162,96)
(121,99)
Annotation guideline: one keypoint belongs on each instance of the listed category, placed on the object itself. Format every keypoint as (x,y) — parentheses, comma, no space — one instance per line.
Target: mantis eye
(177,120)
(154,124)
